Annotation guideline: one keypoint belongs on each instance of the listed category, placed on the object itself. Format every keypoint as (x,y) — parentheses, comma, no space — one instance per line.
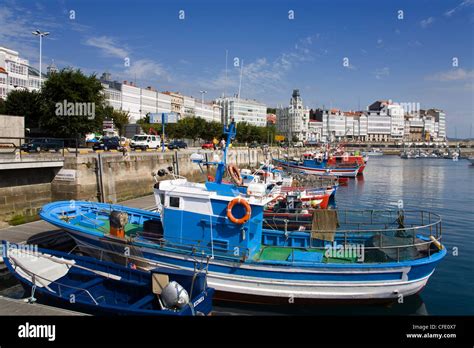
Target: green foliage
(71,86)
(120,118)
(271,110)
(247,133)
(144,120)
(22,102)
(187,128)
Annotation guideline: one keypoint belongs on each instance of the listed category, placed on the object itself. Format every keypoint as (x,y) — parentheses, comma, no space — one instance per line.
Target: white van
(144,141)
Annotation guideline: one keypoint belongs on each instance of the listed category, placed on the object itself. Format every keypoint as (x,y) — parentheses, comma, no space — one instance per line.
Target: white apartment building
(315,131)
(189,107)
(149,100)
(209,112)
(339,125)
(131,101)
(440,123)
(293,121)
(386,121)
(397,120)
(163,103)
(139,102)
(242,110)
(15,73)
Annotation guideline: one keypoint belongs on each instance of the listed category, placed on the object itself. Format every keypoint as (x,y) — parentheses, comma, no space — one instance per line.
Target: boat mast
(229,132)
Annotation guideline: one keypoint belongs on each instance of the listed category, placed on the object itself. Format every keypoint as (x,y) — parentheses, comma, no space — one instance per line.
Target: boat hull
(280,284)
(343,172)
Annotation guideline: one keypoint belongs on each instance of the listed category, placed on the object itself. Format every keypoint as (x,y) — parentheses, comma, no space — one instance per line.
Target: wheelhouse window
(174,202)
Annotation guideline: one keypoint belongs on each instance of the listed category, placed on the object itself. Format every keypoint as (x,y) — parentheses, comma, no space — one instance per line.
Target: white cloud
(262,74)
(425,23)
(463,4)
(146,69)
(381,73)
(452,75)
(108,46)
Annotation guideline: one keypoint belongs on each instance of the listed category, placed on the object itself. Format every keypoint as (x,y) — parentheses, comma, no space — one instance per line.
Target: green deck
(130,229)
(273,253)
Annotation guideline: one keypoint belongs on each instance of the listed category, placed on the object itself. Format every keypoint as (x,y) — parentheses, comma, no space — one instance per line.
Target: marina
(197,174)
(360,241)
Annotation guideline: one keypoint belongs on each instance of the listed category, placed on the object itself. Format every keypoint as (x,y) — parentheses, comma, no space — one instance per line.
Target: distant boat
(312,166)
(375,152)
(92,286)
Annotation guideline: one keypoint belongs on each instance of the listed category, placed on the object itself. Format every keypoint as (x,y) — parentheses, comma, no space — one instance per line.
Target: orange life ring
(234,173)
(210,178)
(248,211)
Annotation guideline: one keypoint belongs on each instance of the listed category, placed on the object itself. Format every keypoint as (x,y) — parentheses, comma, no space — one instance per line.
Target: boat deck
(273,253)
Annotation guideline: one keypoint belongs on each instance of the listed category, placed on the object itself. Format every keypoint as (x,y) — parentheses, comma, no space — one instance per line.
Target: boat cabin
(199,216)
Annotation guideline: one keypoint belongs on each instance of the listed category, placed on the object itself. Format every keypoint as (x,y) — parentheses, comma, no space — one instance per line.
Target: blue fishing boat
(340,255)
(89,285)
(319,166)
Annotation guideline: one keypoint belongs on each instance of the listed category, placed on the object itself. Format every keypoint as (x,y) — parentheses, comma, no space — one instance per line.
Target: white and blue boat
(99,287)
(319,167)
(343,255)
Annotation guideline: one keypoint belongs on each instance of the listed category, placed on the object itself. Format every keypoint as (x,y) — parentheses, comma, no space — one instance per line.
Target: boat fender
(118,220)
(436,242)
(235,174)
(174,295)
(248,211)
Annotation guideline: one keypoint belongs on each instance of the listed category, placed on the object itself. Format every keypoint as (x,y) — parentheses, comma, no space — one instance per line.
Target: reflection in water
(440,186)
(412,305)
(437,185)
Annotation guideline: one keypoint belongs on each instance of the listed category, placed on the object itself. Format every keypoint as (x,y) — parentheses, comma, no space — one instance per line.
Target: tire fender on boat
(248,211)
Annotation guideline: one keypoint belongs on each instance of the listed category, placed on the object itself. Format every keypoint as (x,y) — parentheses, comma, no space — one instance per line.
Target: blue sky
(407,60)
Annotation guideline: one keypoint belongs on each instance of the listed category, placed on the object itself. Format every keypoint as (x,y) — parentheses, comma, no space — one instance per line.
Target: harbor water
(442,186)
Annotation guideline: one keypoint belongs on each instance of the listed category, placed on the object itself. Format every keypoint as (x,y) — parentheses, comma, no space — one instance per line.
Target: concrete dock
(9,306)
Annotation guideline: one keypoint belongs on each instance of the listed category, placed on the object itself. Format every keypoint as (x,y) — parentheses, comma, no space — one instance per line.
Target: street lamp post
(41,35)
(202,97)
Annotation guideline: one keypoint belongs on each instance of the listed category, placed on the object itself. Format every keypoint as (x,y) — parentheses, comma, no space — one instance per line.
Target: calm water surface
(441,186)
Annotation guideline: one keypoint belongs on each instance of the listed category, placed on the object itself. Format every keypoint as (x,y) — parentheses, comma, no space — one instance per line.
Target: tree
(120,118)
(75,91)
(21,102)
(2,107)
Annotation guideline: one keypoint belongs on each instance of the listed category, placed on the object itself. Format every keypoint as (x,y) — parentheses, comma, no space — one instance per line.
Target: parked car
(43,144)
(177,144)
(208,146)
(144,141)
(106,143)
(253,145)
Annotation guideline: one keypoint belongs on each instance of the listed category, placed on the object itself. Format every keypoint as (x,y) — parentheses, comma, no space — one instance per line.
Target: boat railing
(59,285)
(388,230)
(195,247)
